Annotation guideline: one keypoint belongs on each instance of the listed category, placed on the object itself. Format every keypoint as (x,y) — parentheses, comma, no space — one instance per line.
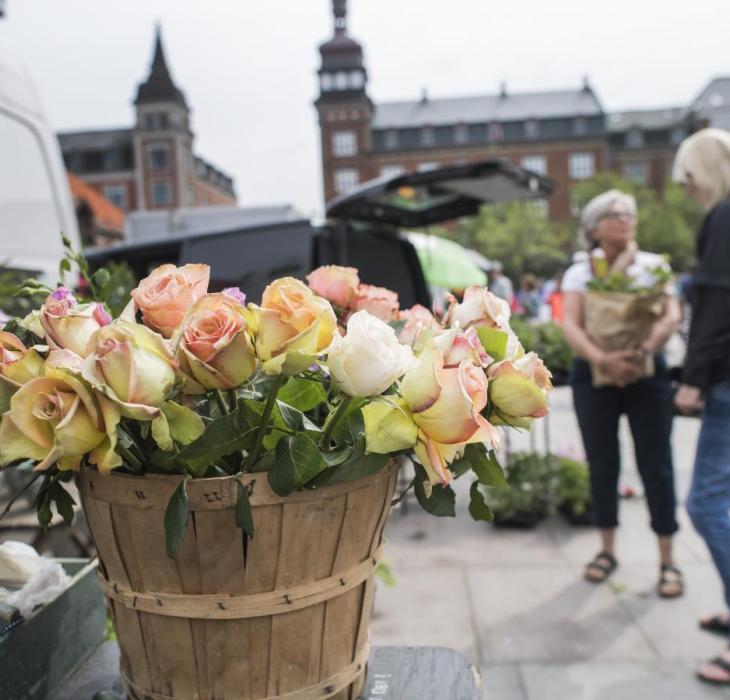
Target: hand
(688,400)
(622,366)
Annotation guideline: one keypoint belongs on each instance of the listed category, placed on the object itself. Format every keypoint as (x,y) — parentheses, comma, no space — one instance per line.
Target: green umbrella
(445,263)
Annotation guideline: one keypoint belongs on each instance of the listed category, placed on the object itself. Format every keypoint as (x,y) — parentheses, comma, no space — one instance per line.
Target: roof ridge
(496,95)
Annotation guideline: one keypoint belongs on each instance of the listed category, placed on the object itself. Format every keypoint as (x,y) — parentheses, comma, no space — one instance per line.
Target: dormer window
(391,139)
(580,126)
(357,80)
(495,132)
(532,129)
(461,133)
(634,139)
(428,136)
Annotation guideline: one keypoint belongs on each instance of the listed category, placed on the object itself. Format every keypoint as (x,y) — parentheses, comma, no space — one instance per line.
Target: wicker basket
(284,615)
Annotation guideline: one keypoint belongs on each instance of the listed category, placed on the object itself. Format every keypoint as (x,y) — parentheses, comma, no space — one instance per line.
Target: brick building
(565,134)
(151,165)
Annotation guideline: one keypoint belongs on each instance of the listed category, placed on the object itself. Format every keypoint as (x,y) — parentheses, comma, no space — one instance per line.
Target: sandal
(603,564)
(719,624)
(720,663)
(671,583)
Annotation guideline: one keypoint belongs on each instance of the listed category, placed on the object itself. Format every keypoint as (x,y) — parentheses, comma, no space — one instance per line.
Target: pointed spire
(159,86)
(339,9)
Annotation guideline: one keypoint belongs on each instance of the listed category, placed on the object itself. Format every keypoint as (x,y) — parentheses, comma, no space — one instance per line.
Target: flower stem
(265,419)
(221,401)
(334,419)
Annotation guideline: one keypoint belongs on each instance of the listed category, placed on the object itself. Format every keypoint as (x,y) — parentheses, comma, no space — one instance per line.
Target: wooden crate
(285,615)
(38,654)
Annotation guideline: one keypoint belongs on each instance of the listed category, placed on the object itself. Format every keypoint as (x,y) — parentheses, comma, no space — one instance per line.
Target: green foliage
(177,515)
(530,477)
(548,341)
(298,460)
(244,516)
(572,485)
(442,499)
(478,508)
(519,236)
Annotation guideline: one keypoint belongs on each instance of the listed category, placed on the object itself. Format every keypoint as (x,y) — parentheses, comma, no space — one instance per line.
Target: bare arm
(574,332)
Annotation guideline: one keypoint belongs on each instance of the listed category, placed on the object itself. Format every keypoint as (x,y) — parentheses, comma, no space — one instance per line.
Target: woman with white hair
(703,166)
(608,222)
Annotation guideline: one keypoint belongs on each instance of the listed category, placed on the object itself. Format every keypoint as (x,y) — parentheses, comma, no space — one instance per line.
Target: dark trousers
(648,406)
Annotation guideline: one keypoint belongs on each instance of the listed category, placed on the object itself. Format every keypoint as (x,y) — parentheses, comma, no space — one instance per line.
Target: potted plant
(236,463)
(573,490)
(529,498)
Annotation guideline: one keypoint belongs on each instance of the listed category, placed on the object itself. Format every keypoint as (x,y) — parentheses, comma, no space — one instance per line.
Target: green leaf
(298,460)
(244,516)
(478,508)
(351,424)
(65,265)
(64,502)
(101,278)
(177,515)
(486,467)
(385,574)
(460,466)
(358,465)
(302,394)
(294,418)
(389,426)
(493,341)
(43,509)
(441,502)
(223,436)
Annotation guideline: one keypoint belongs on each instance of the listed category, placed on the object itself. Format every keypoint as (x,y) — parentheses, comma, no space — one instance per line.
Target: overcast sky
(247,67)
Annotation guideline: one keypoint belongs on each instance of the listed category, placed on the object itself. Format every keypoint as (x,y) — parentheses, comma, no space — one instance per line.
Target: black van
(363,231)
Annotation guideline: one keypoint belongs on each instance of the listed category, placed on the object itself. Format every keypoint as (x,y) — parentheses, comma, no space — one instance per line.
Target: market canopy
(445,263)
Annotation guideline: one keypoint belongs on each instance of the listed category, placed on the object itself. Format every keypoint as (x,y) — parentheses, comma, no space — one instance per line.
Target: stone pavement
(514,603)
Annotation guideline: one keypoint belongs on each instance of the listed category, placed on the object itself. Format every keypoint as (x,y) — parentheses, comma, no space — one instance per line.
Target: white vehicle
(35,201)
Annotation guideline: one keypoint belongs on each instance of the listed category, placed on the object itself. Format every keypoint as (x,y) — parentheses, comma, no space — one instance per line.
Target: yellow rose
(518,390)
(214,349)
(131,365)
(291,327)
(57,418)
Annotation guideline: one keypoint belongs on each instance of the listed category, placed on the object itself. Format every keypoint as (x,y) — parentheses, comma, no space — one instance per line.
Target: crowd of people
(634,378)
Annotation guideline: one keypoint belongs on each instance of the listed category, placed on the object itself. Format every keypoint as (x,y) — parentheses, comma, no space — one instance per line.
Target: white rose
(369,358)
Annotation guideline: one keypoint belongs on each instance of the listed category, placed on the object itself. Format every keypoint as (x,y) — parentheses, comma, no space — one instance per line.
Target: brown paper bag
(620,321)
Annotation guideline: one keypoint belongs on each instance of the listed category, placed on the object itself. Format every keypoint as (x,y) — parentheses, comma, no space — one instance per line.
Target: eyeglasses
(617,215)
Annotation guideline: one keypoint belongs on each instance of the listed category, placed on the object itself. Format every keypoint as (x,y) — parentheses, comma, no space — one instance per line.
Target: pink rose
(339,285)
(69,325)
(167,293)
(418,321)
(378,301)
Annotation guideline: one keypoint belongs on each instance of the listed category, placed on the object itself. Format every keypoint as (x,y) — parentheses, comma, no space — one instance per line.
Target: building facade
(151,165)
(564,134)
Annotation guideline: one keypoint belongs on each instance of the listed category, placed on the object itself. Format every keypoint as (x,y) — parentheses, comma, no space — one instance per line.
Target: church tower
(162,140)
(344,108)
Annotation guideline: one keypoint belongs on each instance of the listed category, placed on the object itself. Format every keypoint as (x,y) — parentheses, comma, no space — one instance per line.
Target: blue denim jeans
(708,503)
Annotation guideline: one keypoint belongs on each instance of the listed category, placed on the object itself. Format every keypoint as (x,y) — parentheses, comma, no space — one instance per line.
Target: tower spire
(339,9)
(159,86)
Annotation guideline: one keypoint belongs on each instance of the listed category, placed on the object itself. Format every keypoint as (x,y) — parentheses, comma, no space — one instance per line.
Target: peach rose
(18,364)
(339,285)
(291,327)
(377,301)
(68,325)
(419,320)
(167,293)
(214,349)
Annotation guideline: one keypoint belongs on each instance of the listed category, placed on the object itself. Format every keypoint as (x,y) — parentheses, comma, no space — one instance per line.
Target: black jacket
(708,350)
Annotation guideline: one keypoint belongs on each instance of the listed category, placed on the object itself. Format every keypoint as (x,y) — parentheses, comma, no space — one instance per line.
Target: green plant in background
(530,478)
(572,485)
(548,341)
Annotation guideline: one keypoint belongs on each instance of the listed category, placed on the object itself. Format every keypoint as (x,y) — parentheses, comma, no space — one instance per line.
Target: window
(537,164)
(428,136)
(326,82)
(495,132)
(116,194)
(344,143)
(580,126)
(635,170)
(148,121)
(345,179)
(158,157)
(580,166)
(112,159)
(428,165)
(356,79)
(461,133)
(532,129)
(93,161)
(677,135)
(161,193)
(634,139)
(391,170)
(391,139)
(341,81)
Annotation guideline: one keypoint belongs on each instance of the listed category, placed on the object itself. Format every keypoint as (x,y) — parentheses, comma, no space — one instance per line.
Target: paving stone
(502,682)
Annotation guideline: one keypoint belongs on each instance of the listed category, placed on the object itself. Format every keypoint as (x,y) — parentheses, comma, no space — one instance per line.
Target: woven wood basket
(285,615)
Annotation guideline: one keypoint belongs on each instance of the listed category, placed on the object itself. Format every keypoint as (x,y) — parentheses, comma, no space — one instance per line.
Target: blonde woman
(608,222)
(703,166)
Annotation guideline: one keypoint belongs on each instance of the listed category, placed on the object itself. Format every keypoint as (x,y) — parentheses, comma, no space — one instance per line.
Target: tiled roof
(487,108)
(713,103)
(159,86)
(108,216)
(647,119)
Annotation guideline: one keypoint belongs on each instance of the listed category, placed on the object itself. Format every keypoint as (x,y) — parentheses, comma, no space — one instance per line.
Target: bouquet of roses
(314,385)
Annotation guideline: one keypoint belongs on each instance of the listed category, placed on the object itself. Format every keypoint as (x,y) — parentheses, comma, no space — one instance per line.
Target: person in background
(500,285)
(529,295)
(609,222)
(555,300)
(703,166)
